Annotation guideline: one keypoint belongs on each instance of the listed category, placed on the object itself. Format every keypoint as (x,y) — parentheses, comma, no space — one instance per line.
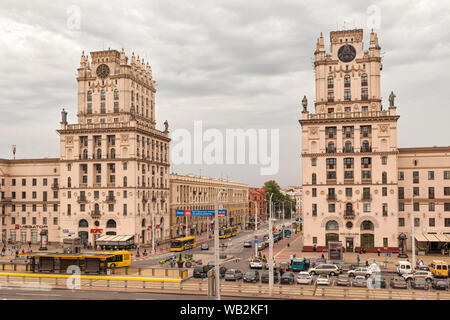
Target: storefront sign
(27,226)
(348,234)
(96,230)
(200,213)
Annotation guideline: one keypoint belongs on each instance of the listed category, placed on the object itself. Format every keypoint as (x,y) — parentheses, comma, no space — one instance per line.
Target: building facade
(198,193)
(351,164)
(257,196)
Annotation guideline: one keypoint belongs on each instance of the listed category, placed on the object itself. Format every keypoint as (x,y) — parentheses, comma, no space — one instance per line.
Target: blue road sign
(199,213)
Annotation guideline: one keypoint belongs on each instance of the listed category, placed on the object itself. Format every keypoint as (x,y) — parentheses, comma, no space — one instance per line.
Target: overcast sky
(232,64)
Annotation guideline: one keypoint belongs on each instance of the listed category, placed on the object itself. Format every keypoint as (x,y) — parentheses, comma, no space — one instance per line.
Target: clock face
(102,71)
(346,53)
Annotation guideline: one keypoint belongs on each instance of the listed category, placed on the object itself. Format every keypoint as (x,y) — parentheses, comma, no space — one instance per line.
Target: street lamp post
(270,249)
(216,244)
(413,233)
(256,228)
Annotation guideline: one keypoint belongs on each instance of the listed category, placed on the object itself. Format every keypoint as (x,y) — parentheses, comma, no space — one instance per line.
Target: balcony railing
(331,150)
(367,197)
(96,214)
(55,186)
(110,199)
(348,150)
(355,114)
(6,199)
(82,199)
(331,197)
(366,149)
(349,214)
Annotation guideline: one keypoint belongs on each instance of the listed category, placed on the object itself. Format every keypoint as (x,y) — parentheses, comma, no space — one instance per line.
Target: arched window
(348,146)
(102,95)
(116,94)
(111,223)
(331,147)
(69,182)
(367,225)
(85,154)
(83,224)
(364,79)
(113,153)
(143,223)
(332,225)
(330,82)
(89,95)
(99,153)
(347,81)
(384,177)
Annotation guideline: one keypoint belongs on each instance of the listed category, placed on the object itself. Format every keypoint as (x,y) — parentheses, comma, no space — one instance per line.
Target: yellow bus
(182,244)
(118,259)
(224,233)
(233,231)
(439,268)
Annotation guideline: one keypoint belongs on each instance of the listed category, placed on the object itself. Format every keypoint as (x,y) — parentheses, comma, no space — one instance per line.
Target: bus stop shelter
(114,242)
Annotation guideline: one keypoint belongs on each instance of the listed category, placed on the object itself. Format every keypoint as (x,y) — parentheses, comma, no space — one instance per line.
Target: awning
(447,235)
(432,237)
(441,237)
(114,240)
(420,237)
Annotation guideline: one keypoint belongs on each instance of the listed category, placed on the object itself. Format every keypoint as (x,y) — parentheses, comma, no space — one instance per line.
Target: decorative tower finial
(305,104)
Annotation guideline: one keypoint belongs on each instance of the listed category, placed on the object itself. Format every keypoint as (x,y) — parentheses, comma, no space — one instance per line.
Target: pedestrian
(367,263)
(378,251)
(323,257)
(357,258)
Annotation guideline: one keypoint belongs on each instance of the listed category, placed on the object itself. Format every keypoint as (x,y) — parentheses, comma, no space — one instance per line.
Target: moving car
(201,271)
(360,281)
(323,279)
(361,271)
(251,276)
(327,269)
(205,246)
(287,278)
(304,278)
(404,267)
(343,280)
(420,283)
(256,264)
(426,275)
(247,244)
(440,284)
(265,276)
(439,268)
(398,283)
(233,274)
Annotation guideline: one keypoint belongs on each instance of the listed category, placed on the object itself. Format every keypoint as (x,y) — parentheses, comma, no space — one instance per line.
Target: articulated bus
(233,231)
(224,233)
(182,244)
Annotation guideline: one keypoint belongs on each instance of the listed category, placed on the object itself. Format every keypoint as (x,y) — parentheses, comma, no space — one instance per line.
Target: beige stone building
(350,160)
(198,193)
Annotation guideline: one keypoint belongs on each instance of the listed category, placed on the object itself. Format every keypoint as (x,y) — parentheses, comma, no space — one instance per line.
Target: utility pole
(270,249)
(256,229)
(216,244)
(153,232)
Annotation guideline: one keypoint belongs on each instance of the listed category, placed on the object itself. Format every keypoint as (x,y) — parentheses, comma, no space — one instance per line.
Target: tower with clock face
(349,149)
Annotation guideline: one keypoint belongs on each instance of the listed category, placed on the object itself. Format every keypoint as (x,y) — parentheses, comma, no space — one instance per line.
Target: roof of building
(424,149)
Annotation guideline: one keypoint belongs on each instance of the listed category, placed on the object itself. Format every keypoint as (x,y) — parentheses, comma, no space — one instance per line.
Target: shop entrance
(348,244)
(367,241)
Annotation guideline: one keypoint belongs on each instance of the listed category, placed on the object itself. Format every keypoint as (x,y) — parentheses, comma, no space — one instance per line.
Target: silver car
(304,278)
(233,274)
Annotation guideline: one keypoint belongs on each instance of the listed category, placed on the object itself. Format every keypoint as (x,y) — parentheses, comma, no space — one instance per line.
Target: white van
(404,267)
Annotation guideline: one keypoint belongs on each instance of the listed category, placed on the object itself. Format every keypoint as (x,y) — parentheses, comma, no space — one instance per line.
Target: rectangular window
(24,182)
(430,175)
(125,194)
(431,222)
(348,192)
(13,182)
(44,182)
(110,207)
(366,207)
(55,207)
(446,191)
(348,175)
(383,160)
(401,193)
(447,222)
(401,206)
(401,222)
(314,240)
(384,191)
(446,206)
(447,175)
(44,221)
(385,243)
(416,222)
(55,194)
(24,220)
(430,192)
(431,206)
(313,162)
(34,182)
(34,220)
(416,206)
(55,221)
(366,174)
(331,207)
(314,192)
(331,175)
(385,209)
(314,209)
(401,175)
(82,207)
(34,208)
(416,191)
(347,95)
(34,195)
(415,176)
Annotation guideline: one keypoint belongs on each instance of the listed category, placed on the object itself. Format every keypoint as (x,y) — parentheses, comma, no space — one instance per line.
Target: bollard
(126,283)
(345,293)
(162,285)
(437,296)
(414,295)
(90,282)
(56,281)
(323,292)
(367,293)
(143,284)
(107,283)
(390,294)
(200,286)
(280,289)
(259,289)
(301,291)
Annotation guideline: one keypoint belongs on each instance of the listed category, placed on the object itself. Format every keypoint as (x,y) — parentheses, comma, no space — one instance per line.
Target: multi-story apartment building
(350,161)
(114,164)
(199,193)
(295,193)
(258,196)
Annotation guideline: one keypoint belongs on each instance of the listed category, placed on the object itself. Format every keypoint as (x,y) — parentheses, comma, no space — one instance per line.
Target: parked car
(426,275)
(404,267)
(285,265)
(440,284)
(398,283)
(256,264)
(233,274)
(359,281)
(304,278)
(205,246)
(361,271)
(287,278)
(201,271)
(323,279)
(420,283)
(247,244)
(265,276)
(343,280)
(266,237)
(320,261)
(251,276)
(327,269)
(222,269)
(423,268)
(339,267)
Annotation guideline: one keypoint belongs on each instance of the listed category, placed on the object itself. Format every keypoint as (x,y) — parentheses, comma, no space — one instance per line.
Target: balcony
(364,98)
(331,197)
(83,185)
(111,184)
(364,83)
(349,214)
(96,214)
(82,199)
(346,84)
(110,199)
(331,150)
(55,186)
(348,150)
(367,197)
(6,200)
(366,149)
(366,180)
